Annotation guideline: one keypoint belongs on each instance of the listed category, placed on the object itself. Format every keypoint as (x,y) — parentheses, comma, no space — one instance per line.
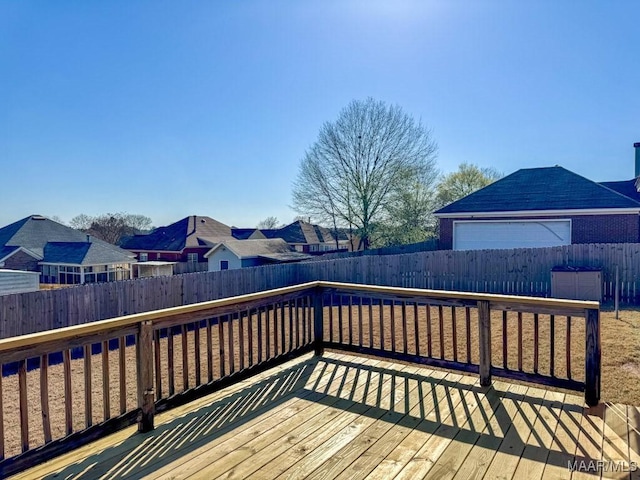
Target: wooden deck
(344,416)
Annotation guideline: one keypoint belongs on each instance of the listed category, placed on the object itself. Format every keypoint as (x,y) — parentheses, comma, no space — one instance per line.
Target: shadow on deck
(340,414)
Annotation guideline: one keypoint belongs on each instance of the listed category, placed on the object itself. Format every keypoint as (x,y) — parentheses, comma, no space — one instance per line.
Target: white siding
(477,235)
(15,281)
(223,254)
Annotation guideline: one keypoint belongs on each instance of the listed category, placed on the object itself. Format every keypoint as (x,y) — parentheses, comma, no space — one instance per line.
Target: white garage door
(476,235)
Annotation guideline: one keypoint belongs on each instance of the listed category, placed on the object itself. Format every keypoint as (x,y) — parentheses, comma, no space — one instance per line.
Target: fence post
(484,341)
(144,361)
(592,357)
(318,321)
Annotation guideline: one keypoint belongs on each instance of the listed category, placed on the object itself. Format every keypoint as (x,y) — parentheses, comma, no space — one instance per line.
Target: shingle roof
(254,248)
(84,253)
(551,188)
(192,231)
(301,232)
(626,188)
(37,234)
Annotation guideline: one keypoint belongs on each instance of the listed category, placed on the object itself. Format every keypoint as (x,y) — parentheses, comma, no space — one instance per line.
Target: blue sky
(176,108)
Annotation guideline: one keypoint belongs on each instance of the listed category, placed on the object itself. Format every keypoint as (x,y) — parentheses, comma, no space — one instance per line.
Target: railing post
(144,360)
(318,321)
(592,357)
(484,341)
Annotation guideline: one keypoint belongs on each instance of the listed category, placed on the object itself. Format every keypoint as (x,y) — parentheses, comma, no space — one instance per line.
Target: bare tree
(81,222)
(268,223)
(139,223)
(350,175)
(112,227)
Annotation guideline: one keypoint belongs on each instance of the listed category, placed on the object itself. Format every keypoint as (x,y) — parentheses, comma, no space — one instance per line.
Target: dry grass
(620,359)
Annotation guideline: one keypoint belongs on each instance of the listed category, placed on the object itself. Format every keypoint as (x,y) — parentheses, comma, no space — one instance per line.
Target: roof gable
(247,233)
(253,248)
(6,252)
(540,189)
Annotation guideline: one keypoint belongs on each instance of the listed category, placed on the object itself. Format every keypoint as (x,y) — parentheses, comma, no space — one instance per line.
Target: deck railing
(121,371)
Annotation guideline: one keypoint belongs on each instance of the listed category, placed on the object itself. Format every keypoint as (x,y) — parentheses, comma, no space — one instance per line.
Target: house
(232,254)
(184,241)
(61,254)
(542,207)
(309,238)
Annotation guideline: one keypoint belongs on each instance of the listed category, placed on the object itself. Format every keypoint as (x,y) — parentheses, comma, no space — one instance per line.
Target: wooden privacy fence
(518,272)
(168,357)
(524,271)
(190,267)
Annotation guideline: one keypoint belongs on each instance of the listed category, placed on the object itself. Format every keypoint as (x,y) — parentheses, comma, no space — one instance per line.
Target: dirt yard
(620,359)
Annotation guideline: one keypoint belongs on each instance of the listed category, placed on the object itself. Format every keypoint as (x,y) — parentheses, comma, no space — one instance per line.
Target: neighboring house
(309,238)
(61,254)
(186,240)
(233,254)
(542,207)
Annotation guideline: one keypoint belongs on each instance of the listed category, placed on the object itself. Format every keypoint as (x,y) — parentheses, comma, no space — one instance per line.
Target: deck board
(334,415)
(536,453)
(590,442)
(343,416)
(233,447)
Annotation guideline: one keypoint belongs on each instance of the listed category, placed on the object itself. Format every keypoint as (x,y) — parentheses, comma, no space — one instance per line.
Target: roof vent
(37,217)
(202,220)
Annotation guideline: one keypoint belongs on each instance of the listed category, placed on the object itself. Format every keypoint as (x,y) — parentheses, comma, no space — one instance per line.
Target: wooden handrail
(578,306)
(60,334)
(227,316)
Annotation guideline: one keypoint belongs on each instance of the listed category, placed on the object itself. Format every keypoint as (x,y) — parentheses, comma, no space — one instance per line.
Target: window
(69,275)
(49,274)
(144,257)
(192,257)
(224,264)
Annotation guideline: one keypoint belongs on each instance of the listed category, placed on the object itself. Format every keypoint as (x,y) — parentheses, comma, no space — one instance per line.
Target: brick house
(185,241)
(542,207)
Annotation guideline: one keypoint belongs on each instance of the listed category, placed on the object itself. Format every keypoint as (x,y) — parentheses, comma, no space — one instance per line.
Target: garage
(492,234)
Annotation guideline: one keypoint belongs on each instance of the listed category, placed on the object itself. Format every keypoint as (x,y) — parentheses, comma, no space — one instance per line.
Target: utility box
(576,283)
